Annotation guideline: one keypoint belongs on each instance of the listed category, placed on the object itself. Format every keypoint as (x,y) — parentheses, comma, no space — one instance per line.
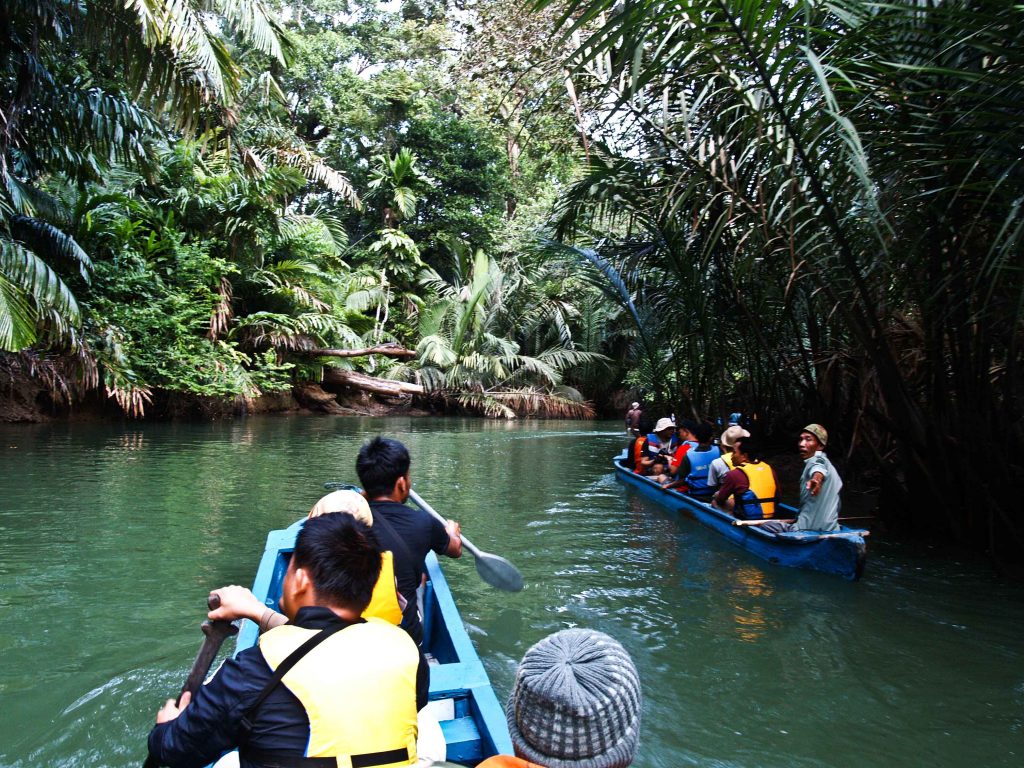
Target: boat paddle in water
(494,569)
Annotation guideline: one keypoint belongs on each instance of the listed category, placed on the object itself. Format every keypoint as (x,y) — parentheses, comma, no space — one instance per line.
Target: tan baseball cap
(818,431)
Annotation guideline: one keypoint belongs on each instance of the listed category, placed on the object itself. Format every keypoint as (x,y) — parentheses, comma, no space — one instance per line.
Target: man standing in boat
(328,685)
(383,469)
(633,416)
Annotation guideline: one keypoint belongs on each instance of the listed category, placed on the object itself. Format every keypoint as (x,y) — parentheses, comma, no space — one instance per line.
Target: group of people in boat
(339,677)
(731,474)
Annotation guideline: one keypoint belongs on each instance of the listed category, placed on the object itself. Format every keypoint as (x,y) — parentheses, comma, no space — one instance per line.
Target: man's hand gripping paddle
(215,633)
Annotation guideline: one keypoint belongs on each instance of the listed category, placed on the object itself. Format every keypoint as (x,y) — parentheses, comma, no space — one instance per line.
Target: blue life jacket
(654,443)
(700,463)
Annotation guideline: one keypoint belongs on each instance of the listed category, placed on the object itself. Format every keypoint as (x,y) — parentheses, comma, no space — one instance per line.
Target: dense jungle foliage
(240,184)
(801,210)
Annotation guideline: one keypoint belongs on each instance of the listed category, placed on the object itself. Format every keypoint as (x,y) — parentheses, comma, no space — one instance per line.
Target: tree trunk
(361,381)
(387,350)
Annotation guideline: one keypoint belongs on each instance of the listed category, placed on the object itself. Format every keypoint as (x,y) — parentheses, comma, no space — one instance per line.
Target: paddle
(214,635)
(761,522)
(860,532)
(790,520)
(495,570)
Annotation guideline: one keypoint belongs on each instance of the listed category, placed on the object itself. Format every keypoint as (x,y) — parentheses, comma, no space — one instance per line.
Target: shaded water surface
(111,536)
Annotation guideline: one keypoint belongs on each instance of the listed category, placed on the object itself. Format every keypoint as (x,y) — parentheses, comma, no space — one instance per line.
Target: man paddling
(350,699)
(633,416)
(383,469)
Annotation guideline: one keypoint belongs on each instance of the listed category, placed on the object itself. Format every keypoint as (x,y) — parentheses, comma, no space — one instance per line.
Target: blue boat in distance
(461,694)
(843,553)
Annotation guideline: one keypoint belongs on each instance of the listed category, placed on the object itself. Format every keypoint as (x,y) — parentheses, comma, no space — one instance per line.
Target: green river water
(111,535)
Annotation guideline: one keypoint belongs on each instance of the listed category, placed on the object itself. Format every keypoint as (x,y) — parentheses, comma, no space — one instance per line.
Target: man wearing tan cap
(820,483)
(720,466)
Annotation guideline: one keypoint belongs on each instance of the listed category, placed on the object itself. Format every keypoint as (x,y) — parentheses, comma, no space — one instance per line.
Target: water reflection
(750,590)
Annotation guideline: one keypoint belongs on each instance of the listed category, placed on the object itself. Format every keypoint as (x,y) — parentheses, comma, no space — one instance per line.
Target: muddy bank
(33,394)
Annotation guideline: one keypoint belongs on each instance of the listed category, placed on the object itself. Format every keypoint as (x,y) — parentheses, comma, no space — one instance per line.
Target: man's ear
(302,588)
(402,487)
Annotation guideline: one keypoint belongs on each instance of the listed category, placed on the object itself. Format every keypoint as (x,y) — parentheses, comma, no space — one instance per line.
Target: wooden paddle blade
(499,572)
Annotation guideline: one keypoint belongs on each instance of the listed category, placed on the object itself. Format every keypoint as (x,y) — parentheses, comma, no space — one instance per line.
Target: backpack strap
(283,669)
(399,541)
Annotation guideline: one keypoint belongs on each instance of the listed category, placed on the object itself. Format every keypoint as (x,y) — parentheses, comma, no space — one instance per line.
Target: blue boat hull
(474,725)
(843,553)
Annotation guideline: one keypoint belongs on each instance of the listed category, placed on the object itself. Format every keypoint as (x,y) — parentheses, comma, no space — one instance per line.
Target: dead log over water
(387,350)
(361,381)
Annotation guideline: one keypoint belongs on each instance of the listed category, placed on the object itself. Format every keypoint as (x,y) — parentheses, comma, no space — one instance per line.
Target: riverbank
(28,397)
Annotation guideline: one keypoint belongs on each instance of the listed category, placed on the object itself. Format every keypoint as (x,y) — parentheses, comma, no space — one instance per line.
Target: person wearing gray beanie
(575,704)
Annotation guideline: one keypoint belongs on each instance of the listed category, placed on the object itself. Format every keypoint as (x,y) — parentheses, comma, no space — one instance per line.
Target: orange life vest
(638,452)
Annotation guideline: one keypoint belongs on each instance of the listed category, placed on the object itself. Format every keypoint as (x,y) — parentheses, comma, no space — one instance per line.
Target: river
(111,535)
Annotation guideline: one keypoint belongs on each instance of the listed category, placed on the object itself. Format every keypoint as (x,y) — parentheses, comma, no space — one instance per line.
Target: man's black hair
(750,446)
(342,556)
(380,463)
(703,432)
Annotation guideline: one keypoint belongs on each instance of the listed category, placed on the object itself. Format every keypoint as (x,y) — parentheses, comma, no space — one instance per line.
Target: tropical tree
(465,353)
(842,181)
(59,117)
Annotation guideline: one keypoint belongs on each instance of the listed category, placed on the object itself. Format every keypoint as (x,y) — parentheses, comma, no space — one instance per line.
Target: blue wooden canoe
(471,718)
(843,553)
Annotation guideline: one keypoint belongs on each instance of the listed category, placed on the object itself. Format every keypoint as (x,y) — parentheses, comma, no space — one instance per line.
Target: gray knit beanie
(576,702)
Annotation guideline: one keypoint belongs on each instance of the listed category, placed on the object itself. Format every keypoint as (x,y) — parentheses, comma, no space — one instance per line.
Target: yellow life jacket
(727,458)
(762,486)
(358,688)
(384,601)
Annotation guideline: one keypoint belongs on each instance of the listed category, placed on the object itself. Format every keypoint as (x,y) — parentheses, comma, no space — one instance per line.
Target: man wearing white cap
(659,443)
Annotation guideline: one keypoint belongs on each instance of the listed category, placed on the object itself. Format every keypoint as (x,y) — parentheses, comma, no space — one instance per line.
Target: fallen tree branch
(387,350)
(336,376)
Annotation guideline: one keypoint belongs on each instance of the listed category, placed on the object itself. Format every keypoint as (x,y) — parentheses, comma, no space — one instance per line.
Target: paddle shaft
(466,543)
(494,569)
(214,635)
(860,532)
(791,520)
